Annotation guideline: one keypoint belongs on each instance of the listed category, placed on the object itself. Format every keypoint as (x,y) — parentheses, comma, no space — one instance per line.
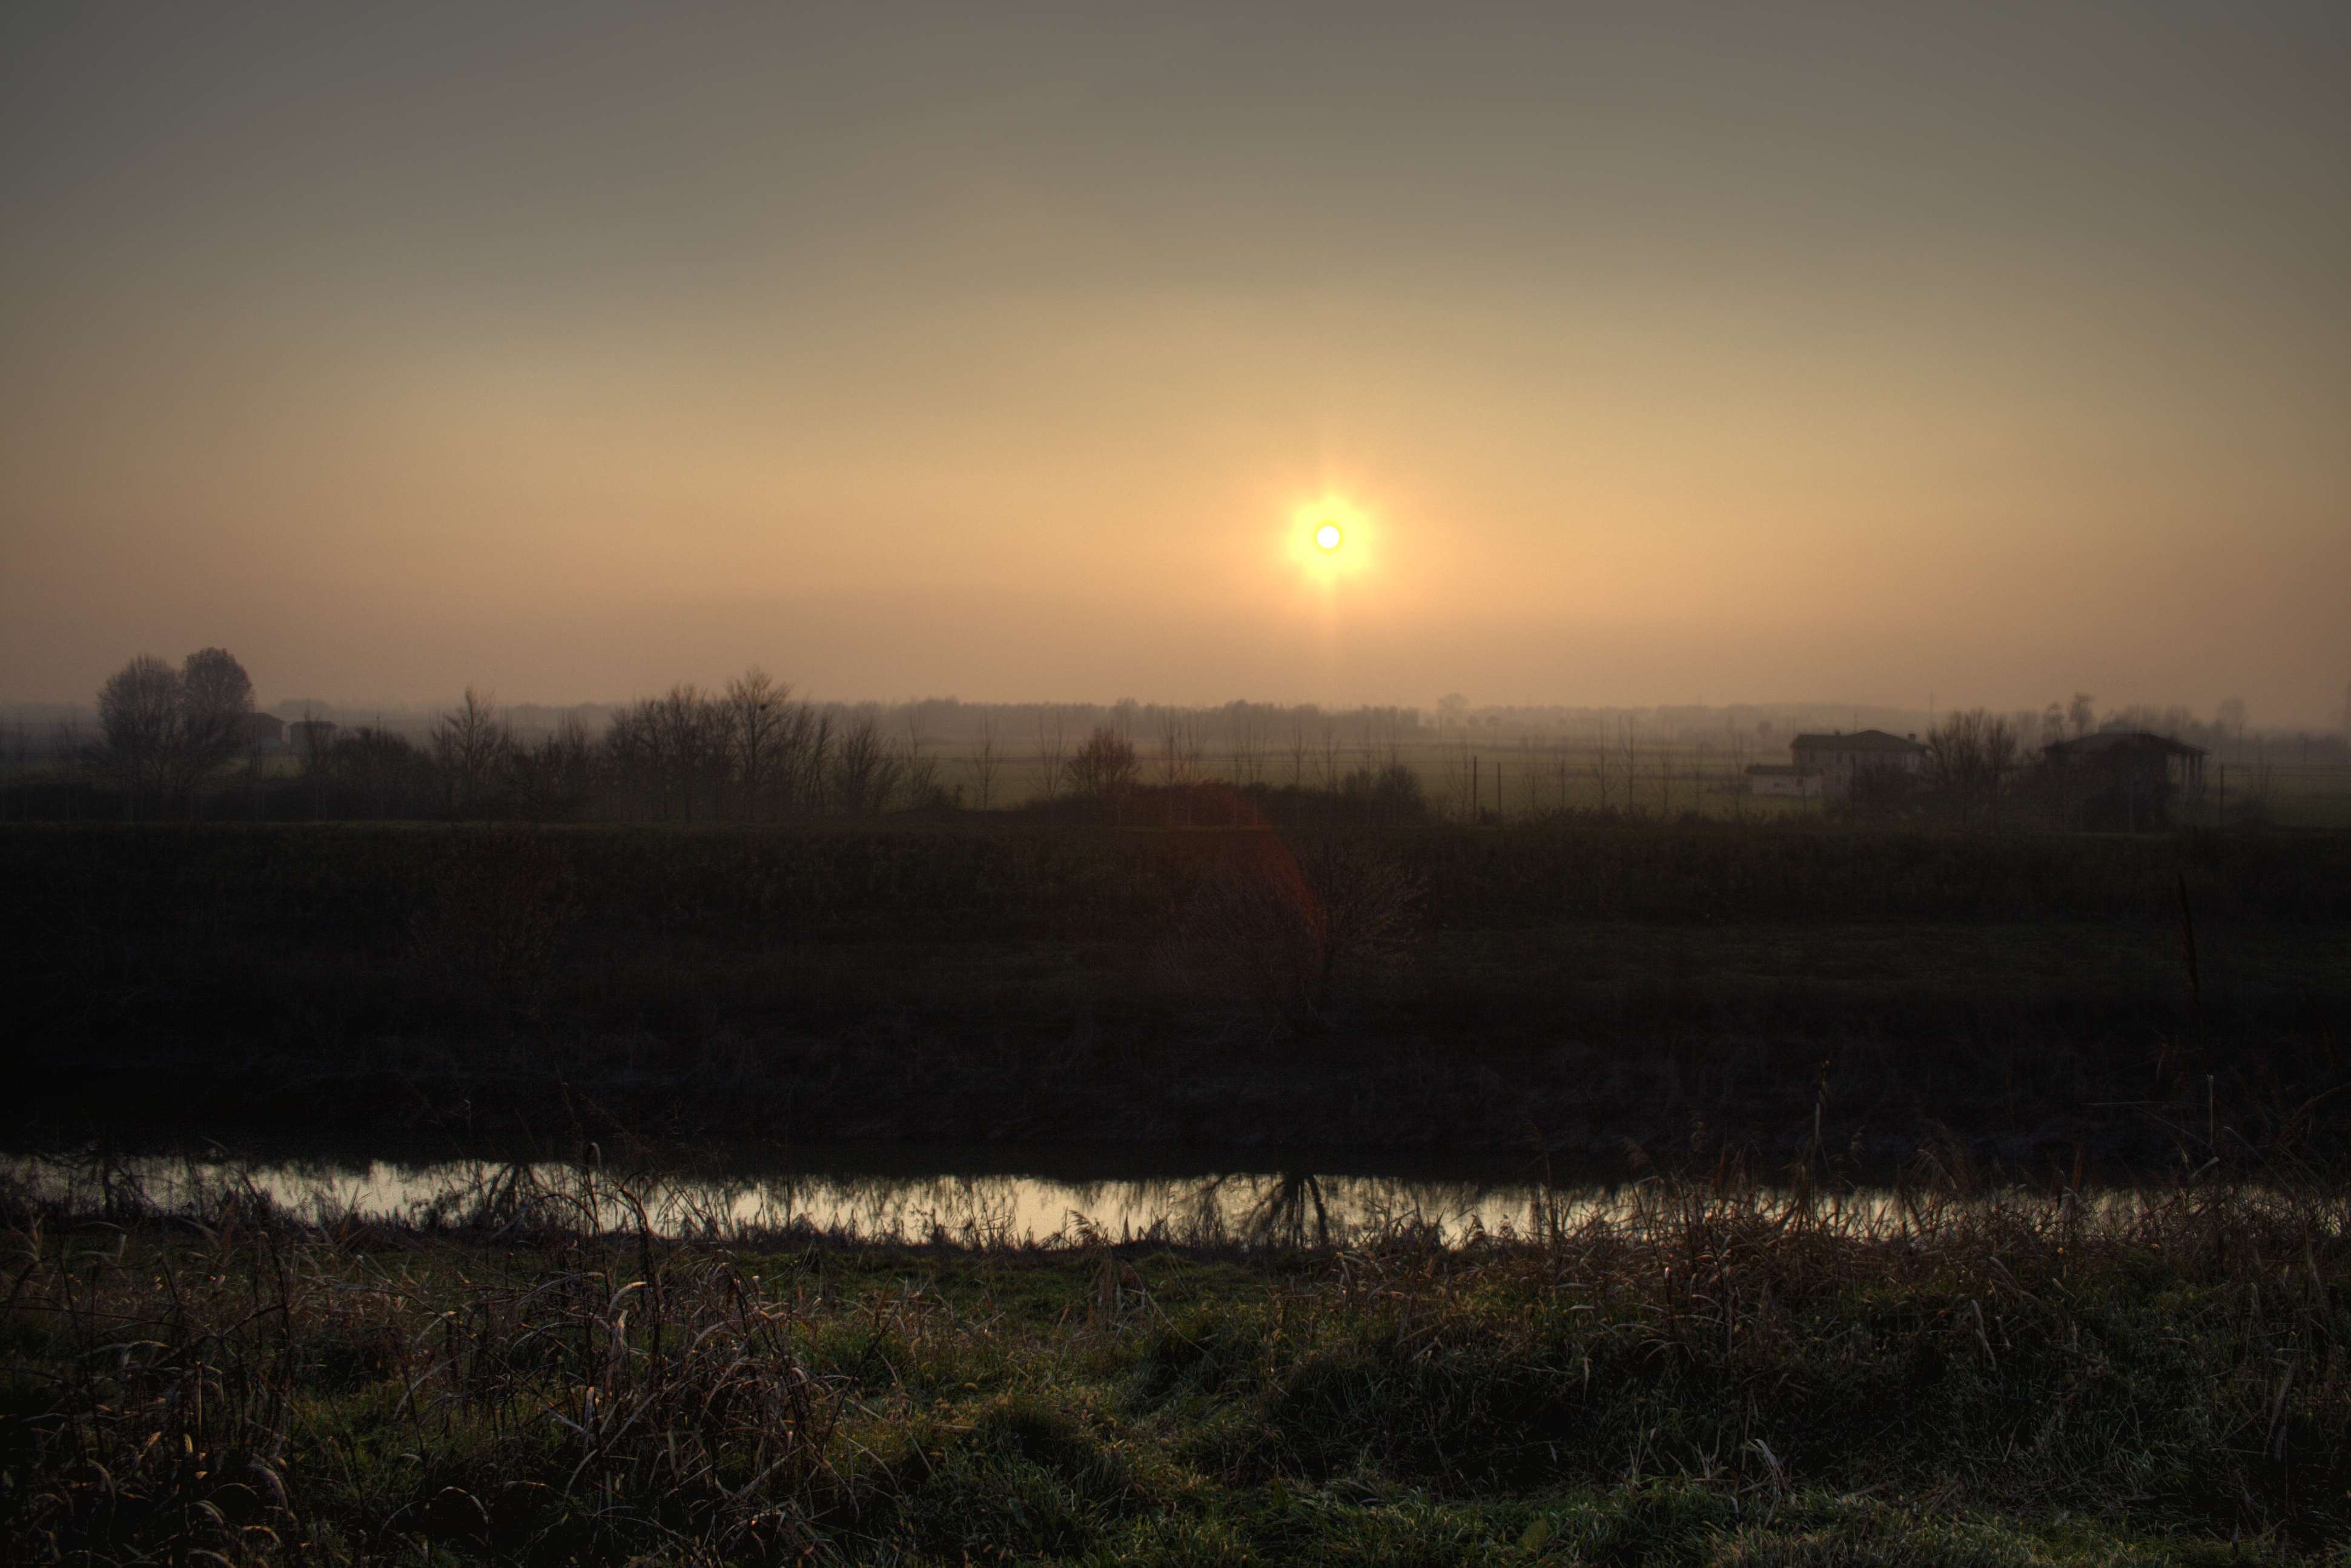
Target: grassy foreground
(1726,1377)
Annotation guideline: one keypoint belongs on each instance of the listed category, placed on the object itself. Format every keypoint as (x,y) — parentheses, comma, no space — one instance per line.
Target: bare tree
(1629,737)
(383,768)
(1735,744)
(1282,920)
(1442,766)
(2083,712)
(314,745)
(866,770)
(1240,742)
(1103,769)
(690,727)
(921,769)
(2052,724)
(470,744)
(138,712)
(1179,758)
(813,738)
(554,780)
(166,731)
(1969,753)
(985,762)
(629,763)
(1171,746)
(1052,746)
(756,717)
(1192,746)
(2230,717)
(215,694)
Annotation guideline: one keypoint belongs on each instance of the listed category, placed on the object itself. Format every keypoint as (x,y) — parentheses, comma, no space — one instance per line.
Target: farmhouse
(1828,764)
(1782,779)
(260,731)
(2121,777)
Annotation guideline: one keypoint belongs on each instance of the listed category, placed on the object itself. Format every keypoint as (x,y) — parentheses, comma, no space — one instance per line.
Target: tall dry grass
(554,1381)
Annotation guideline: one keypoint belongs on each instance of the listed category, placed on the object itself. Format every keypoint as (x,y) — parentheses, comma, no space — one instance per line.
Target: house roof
(1859,741)
(2110,741)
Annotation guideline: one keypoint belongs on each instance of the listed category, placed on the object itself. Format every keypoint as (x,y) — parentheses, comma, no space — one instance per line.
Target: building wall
(1837,765)
(1802,785)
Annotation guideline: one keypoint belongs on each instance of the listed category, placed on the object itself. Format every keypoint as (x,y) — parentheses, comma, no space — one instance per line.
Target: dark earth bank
(2024,998)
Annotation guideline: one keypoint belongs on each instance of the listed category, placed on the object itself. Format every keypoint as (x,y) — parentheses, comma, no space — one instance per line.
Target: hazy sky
(1647,353)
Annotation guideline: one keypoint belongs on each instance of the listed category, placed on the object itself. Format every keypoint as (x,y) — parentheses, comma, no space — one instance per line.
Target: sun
(1331,539)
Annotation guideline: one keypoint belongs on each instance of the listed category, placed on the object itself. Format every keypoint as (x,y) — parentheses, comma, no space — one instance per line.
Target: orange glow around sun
(1326,539)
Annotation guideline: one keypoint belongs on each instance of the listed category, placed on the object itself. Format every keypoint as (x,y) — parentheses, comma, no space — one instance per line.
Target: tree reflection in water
(1288,1207)
(1280,1216)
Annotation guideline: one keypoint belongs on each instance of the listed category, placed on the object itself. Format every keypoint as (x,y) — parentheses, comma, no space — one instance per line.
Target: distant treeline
(749,752)
(184,743)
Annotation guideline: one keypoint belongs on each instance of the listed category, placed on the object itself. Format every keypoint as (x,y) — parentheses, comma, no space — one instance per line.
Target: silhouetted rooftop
(2108,740)
(1859,741)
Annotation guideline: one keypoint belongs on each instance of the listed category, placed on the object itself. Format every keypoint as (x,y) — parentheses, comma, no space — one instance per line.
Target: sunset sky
(1649,353)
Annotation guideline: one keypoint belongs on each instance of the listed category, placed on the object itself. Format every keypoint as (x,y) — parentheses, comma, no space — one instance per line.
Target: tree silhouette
(138,709)
(471,746)
(166,730)
(1103,769)
(215,693)
(2084,711)
(1968,754)
(985,761)
(758,718)
(866,771)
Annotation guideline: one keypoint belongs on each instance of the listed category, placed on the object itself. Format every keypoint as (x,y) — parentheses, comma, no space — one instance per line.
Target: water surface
(895,1193)
(979,1195)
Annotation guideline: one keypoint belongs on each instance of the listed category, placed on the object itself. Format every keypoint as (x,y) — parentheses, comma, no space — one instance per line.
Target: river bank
(1721,1376)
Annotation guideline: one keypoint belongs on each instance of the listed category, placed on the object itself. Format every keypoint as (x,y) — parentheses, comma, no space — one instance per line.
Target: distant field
(1519,779)
(1512,779)
(2296,796)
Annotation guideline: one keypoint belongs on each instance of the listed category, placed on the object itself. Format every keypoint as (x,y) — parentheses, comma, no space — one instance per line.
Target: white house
(1782,779)
(1838,757)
